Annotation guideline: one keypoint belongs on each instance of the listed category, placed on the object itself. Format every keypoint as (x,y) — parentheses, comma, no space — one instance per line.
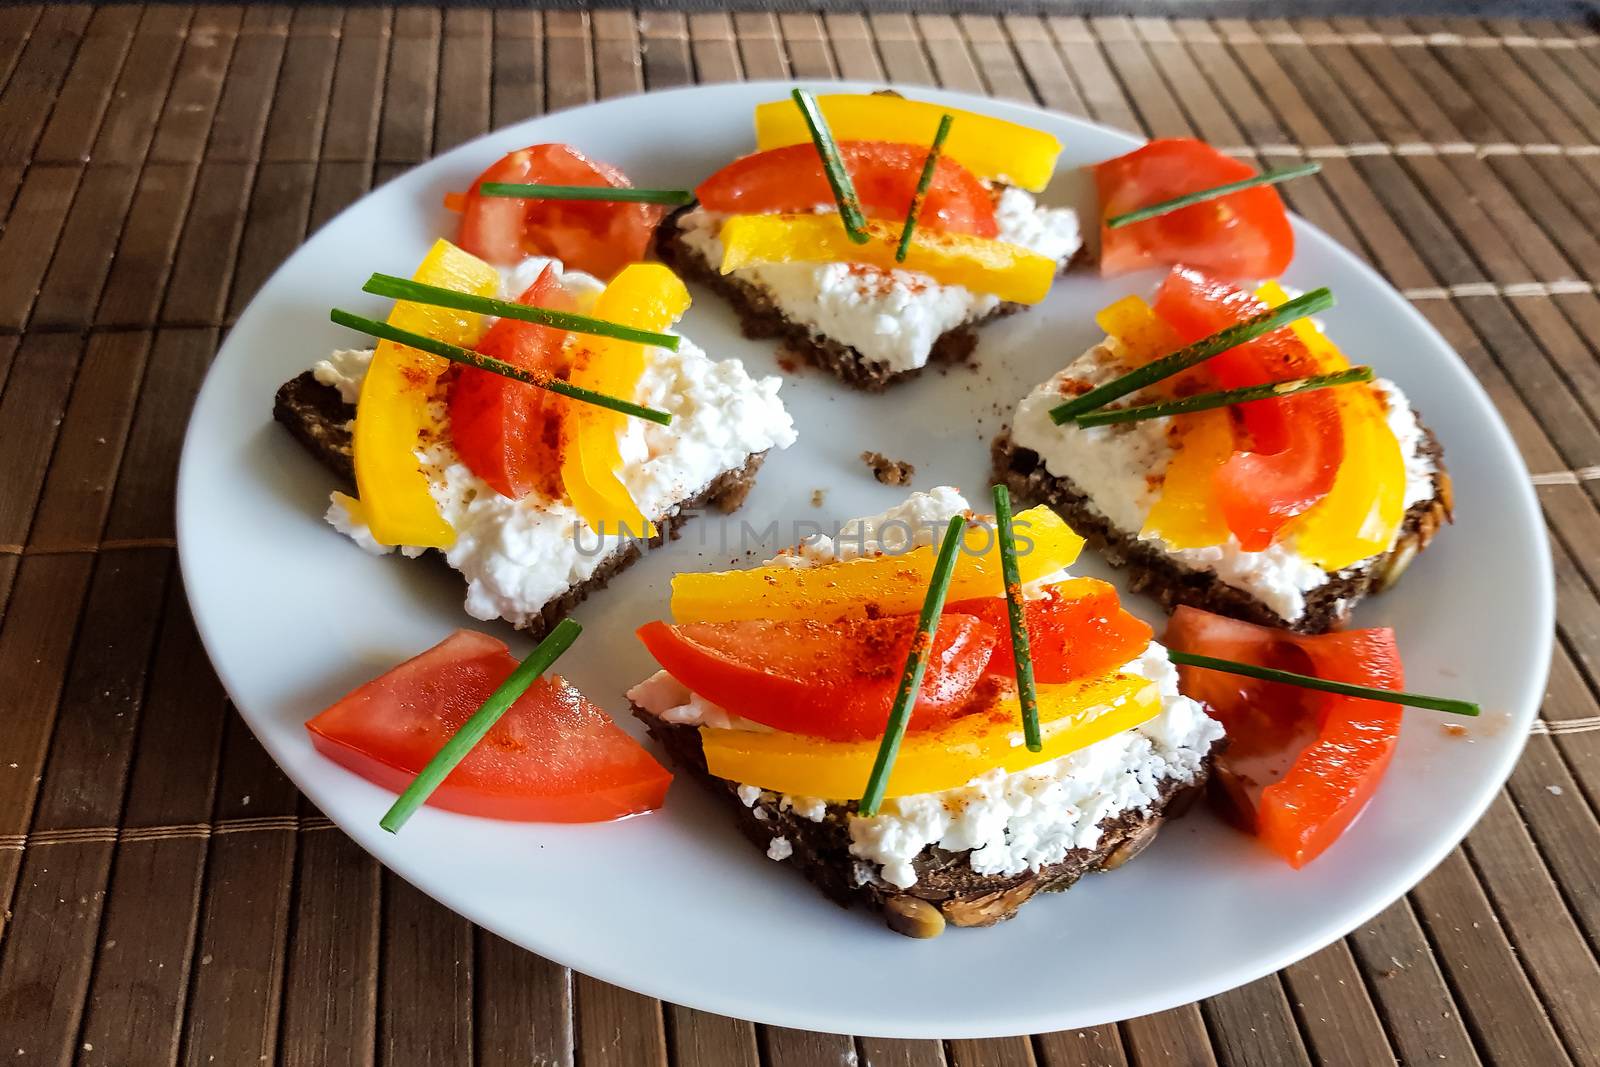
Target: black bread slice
(945,880)
(1156,574)
(319,419)
(759,317)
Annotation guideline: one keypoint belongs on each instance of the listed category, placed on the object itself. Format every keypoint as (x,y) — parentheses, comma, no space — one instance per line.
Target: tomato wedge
(553,756)
(1300,765)
(507,432)
(588,235)
(834,680)
(1079,630)
(885,176)
(1296,442)
(1241,235)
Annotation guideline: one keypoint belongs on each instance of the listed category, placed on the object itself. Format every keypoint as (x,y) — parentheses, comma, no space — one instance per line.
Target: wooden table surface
(170,898)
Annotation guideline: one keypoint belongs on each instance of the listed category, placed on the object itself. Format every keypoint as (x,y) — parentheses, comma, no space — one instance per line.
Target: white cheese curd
(779,848)
(518,555)
(1119,468)
(345,370)
(890,317)
(1023,821)
(1011,822)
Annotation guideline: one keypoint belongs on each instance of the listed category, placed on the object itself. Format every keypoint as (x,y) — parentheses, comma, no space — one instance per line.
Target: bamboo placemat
(168,895)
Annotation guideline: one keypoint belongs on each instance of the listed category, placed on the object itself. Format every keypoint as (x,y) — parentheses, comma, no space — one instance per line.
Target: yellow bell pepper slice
(392,411)
(1072,716)
(887,584)
(1359,516)
(989,147)
(1007,271)
(650,297)
(1185,514)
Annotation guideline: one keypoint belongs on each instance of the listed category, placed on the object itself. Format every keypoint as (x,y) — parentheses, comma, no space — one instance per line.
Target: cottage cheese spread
(1009,822)
(890,317)
(518,555)
(1113,465)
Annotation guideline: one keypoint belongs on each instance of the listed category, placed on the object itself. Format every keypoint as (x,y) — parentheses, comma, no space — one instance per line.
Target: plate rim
(1220,979)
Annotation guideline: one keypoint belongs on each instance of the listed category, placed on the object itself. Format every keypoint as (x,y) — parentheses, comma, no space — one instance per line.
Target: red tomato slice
(587,235)
(885,176)
(1300,765)
(1069,637)
(505,431)
(553,756)
(833,680)
(1241,235)
(1296,442)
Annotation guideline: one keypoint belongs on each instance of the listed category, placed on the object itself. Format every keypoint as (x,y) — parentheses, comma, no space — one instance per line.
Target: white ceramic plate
(674,904)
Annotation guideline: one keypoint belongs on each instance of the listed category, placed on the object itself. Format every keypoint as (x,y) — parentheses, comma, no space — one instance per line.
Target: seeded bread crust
(945,879)
(759,317)
(1153,572)
(319,419)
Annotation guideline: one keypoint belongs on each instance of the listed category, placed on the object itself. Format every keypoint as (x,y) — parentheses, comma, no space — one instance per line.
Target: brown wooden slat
(142,506)
(569,59)
(1529,905)
(141,970)
(330,987)
(38,75)
(1095,1046)
(40,625)
(339,184)
(1337,1018)
(1409,990)
(130,120)
(280,208)
(31,409)
(405,130)
(953,66)
(518,74)
(998,1052)
(760,45)
(900,47)
(1252,1026)
(464,61)
(701,1039)
(250,86)
(81,103)
(299,108)
(208,250)
(1048,75)
(618,67)
(524,1007)
(425,986)
(716,59)
(77,487)
(999,66)
(1505,1015)
(782,1047)
(354,105)
(1101,98)
(1174,1036)
(235,998)
(44,971)
(185,124)
(887,1052)
(853,46)
(18,22)
(806,42)
(137,276)
(30,236)
(70,291)
(616,1028)
(667,60)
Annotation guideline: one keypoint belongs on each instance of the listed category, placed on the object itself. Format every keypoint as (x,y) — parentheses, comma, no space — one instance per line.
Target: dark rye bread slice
(759,317)
(1156,574)
(945,880)
(319,419)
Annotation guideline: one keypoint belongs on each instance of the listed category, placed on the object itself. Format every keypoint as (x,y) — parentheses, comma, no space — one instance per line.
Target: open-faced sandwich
(580,427)
(777,684)
(1257,474)
(809,238)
